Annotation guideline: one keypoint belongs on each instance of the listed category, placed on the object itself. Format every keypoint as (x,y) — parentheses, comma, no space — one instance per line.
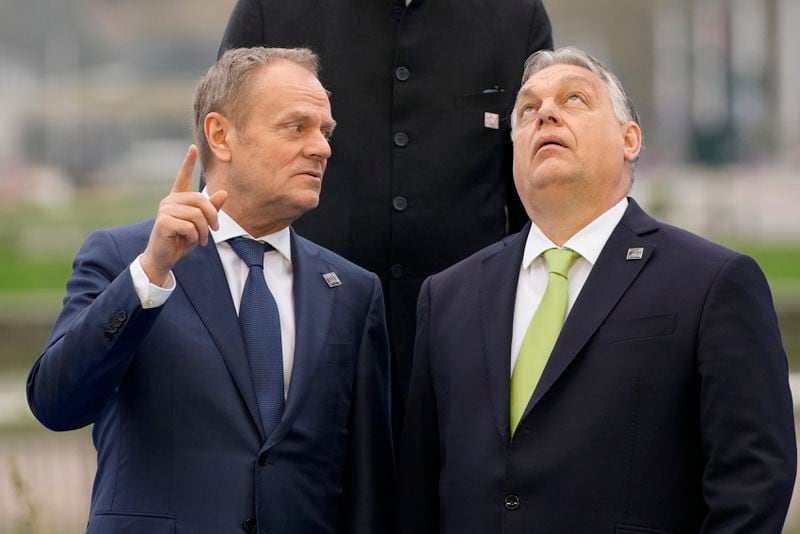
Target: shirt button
(397,12)
(396,271)
(400,139)
(511,502)
(402,73)
(400,203)
(249,526)
(149,303)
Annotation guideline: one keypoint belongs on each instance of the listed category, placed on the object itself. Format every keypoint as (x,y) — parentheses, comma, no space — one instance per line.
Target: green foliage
(21,274)
(780,262)
(37,244)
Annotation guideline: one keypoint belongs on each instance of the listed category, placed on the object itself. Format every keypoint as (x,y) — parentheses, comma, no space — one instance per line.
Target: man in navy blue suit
(600,372)
(202,425)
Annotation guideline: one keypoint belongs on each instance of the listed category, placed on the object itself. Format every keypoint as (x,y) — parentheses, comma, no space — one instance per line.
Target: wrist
(155,274)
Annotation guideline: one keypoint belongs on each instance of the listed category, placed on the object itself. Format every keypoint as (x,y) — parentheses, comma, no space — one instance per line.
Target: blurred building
(716,81)
(91,88)
(91,84)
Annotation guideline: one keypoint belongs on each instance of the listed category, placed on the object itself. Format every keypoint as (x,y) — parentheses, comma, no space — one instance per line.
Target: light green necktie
(542,332)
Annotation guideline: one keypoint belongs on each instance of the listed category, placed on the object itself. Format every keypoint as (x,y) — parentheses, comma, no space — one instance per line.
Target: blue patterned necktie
(261,326)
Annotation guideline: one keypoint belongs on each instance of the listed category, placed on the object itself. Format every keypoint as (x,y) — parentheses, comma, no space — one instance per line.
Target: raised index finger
(183,181)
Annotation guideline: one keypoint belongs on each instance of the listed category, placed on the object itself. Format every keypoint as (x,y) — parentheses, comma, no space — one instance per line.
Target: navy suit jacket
(180,447)
(664,407)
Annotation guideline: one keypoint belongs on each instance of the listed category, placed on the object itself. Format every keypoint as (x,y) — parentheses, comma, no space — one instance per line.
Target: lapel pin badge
(491,120)
(635,253)
(331,279)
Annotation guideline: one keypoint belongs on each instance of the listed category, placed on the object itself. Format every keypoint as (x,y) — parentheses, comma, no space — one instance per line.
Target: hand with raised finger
(183,221)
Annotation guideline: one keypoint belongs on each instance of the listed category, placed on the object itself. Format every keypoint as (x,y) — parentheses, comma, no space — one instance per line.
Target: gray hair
(624,109)
(224,87)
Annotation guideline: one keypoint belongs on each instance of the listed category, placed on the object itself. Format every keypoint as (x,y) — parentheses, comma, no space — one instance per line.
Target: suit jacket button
(249,526)
(401,139)
(511,502)
(262,459)
(399,203)
(402,73)
(398,12)
(396,271)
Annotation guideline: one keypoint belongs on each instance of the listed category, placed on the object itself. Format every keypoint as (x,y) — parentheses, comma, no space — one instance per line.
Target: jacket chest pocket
(619,330)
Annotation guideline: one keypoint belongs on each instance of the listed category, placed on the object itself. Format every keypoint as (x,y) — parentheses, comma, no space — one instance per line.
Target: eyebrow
(305,117)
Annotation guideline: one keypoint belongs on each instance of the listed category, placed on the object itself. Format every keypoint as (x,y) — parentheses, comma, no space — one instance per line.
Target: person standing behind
(273,421)
(422,90)
(660,406)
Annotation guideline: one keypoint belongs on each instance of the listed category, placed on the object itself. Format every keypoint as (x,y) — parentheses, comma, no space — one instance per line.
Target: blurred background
(95,97)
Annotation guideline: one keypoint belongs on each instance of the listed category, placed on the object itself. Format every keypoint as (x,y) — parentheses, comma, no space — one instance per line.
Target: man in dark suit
(202,425)
(422,90)
(662,403)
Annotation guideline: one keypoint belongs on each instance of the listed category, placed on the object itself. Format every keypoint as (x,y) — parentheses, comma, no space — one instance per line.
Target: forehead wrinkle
(558,81)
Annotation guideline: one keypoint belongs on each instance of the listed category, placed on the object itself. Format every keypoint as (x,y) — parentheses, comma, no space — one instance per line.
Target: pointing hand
(183,220)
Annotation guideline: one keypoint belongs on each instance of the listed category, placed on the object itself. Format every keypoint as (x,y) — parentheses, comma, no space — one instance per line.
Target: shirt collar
(588,242)
(229,228)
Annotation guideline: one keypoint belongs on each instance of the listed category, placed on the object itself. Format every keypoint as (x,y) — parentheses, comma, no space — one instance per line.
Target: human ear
(218,130)
(632,141)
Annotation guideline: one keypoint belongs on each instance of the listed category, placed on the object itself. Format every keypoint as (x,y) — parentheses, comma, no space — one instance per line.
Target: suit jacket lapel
(610,278)
(313,307)
(497,293)
(202,278)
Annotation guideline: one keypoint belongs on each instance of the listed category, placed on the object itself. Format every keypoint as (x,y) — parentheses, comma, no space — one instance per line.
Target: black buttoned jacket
(421,170)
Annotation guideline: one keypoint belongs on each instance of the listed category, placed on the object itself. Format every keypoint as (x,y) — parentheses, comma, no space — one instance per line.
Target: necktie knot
(250,251)
(559,260)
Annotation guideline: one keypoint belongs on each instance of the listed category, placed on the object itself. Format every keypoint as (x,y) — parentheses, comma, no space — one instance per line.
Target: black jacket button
(399,203)
(249,526)
(511,502)
(396,271)
(262,459)
(397,12)
(401,139)
(402,73)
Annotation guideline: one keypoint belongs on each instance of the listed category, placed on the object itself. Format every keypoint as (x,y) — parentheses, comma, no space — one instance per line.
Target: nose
(548,113)
(318,147)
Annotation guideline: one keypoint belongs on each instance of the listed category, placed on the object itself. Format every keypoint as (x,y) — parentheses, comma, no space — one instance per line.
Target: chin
(308,202)
(543,181)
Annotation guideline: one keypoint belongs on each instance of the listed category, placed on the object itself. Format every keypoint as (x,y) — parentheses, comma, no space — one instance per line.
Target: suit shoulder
(685,242)
(127,240)
(473,262)
(339,263)
(685,251)
(127,232)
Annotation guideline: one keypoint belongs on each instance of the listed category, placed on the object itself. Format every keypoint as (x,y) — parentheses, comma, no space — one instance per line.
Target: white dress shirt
(277,272)
(588,242)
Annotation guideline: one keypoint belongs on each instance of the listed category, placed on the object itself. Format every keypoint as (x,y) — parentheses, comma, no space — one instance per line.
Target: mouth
(312,173)
(548,142)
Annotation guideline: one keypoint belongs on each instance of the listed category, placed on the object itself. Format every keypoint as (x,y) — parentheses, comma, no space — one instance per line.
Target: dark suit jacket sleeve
(417,506)
(745,405)
(93,340)
(245,27)
(540,37)
(369,467)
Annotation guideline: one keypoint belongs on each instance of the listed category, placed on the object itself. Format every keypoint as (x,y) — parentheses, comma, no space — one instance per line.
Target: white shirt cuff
(150,295)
